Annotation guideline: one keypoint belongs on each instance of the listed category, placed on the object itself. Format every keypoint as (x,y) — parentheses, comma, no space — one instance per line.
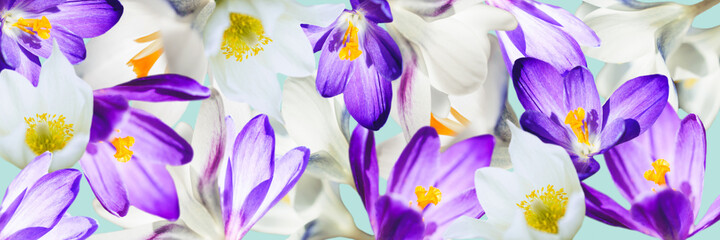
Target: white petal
(388,153)
(467,227)
(569,224)
(249,82)
(499,191)
(134,218)
(318,15)
(18,99)
(288,54)
(412,102)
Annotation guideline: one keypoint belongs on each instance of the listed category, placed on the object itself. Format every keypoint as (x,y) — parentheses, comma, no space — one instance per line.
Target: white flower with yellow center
(53,117)
(250,42)
(540,199)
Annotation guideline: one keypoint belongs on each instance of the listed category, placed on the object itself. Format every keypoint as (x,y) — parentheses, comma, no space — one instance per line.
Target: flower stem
(704,6)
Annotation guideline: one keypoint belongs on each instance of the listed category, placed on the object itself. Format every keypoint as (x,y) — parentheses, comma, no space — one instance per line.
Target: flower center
(244,38)
(351,44)
(143,61)
(657,174)
(47,133)
(122,148)
(39,27)
(447,126)
(424,197)
(576,120)
(544,208)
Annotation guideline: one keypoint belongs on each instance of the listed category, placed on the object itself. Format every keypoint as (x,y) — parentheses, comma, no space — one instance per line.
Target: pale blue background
(590,230)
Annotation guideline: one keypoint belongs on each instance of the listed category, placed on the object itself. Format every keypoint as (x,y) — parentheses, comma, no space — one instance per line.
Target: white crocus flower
(152,37)
(641,48)
(540,199)
(249,42)
(55,116)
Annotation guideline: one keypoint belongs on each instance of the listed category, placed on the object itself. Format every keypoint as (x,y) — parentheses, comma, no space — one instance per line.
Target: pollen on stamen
(425,197)
(447,126)
(144,60)
(122,148)
(351,44)
(40,27)
(245,37)
(47,132)
(576,120)
(657,174)
(544,208)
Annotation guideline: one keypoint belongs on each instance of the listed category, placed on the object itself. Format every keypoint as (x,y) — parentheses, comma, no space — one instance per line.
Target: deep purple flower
(129,149)
(545,32)
(35,203)
(426,189)
(28,29)
(359,59)
(566,110)
(661,174)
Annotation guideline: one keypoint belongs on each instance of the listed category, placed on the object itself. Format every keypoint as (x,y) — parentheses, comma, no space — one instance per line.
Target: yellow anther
(351,44)
(47,132)
(544,208)
(575,119)
(144,60)
(447,126)
(122,148)
(34,26)
(424,197)
(244,37)
(657,174)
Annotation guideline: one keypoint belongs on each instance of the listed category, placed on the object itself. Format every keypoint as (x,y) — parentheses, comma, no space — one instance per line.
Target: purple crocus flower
(35,203)
(661,174)
(359,59)
(129,149)
(566,110)
(545,32)
(426,189)
(28,29)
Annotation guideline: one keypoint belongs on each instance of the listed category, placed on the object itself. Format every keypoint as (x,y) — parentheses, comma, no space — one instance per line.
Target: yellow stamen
(351,44)
(426,197)
(544,207)
(34,26)
(144,60)
(47,132)
(688,83)
(244,37)
(122,148)
(576,119)
(447,126)
(657,174)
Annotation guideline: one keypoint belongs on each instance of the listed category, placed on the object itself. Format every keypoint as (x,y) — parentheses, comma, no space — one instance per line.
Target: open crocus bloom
(427,189)
(661,174)
(540,199)
(125,161)
(150,38)
(249,42)
(35,203)
(545,32)
(566,111)
(28,29)
(358,59)
(55,116)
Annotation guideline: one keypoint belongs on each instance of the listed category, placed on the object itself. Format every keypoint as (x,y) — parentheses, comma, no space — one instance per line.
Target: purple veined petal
(18,59)
(417,165)
(72,46)
(449,209)
(462,159)
(26,178)
(580,92)
(333,73)
(659,139)
(44,203)
(604,209)
(613,132)
(32,6)
(710,218)
(512,45)
(364,167)
(211,141)
(585,167)
(108,113)
(377,11)
(570,24)
(149,186)
(397,221)
(668,212)
(382,51)
(159,88)
(71,227)
(548,129)
(689,162)
(368,97)
(249,174)
(539,86)
(317,35)
(102,175)
(154,141)
(641,99)
(87,19)
(627,163)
